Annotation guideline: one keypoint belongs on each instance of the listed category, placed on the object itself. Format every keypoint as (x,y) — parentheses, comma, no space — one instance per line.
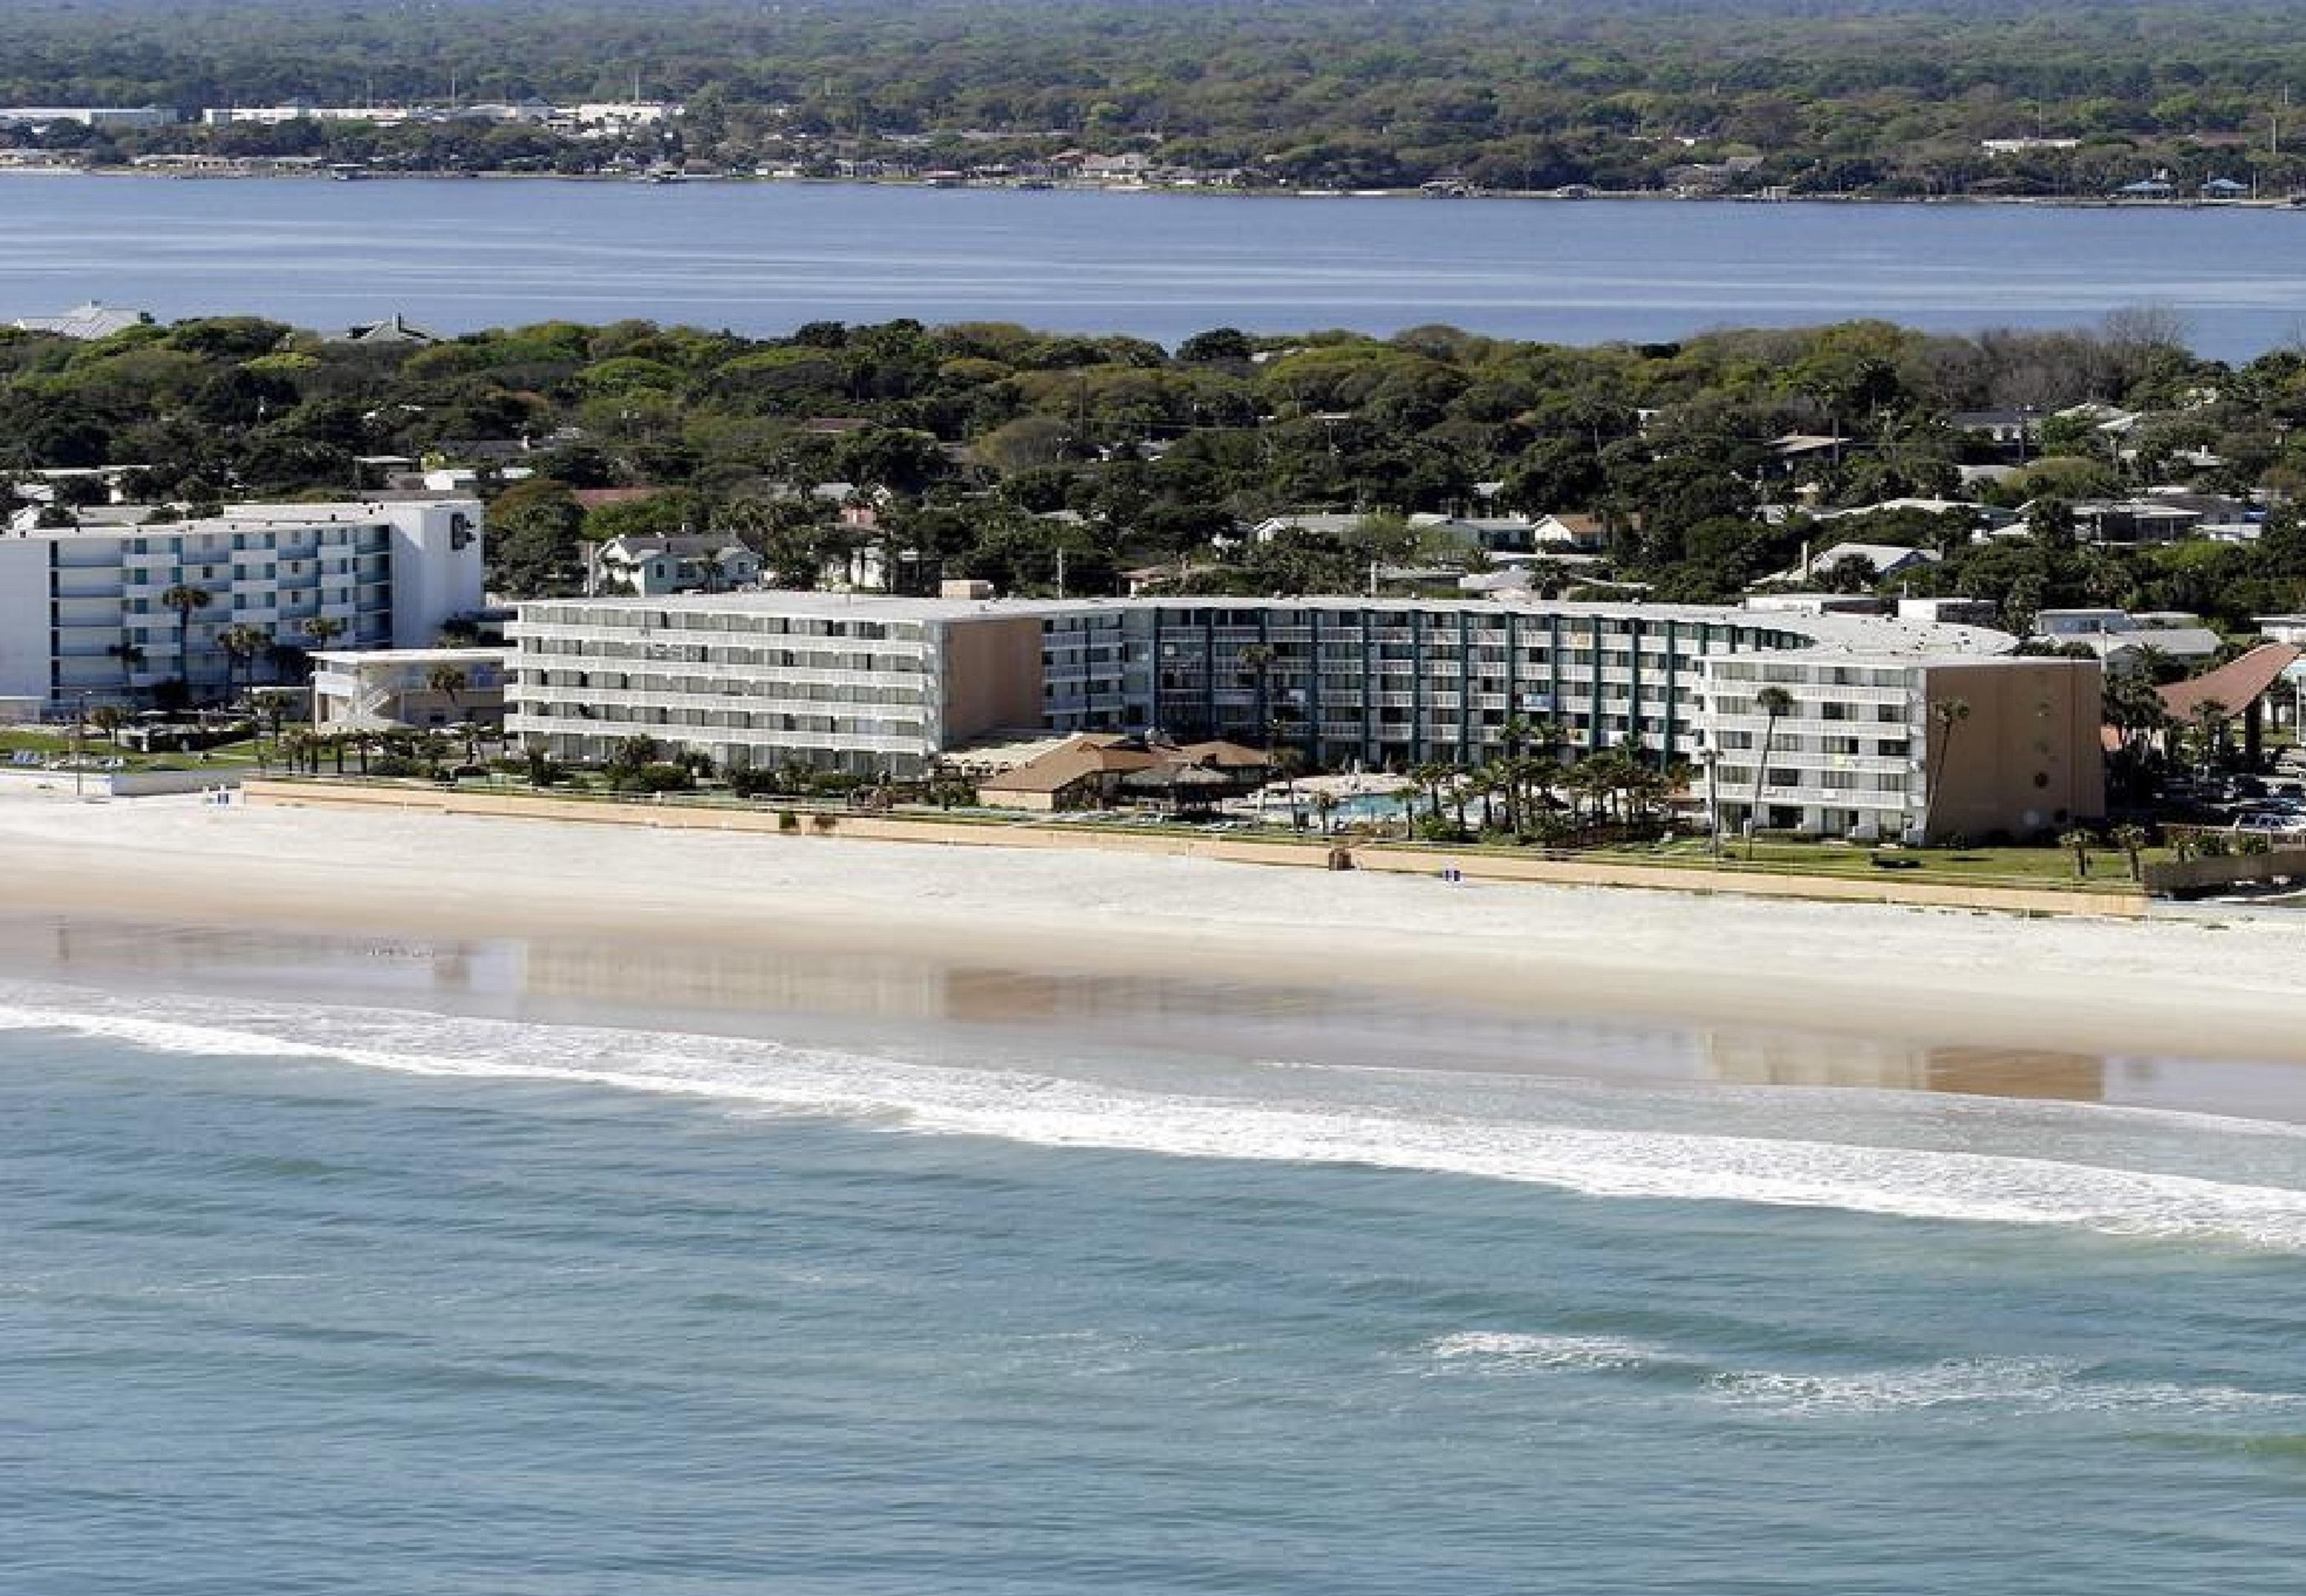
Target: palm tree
(2210,719)
(1775,703)
(130,656)
(450,683)
(1587,784)
(1647,790)
(2132,706)
(1946,716)
(2079,842)
(292,747)
(241,644)
(1430,777)
(184,598)
(1506,775)
(1325,805)
(2131,839)
(108,719)
(275,713)
(1483,779)
(429,749)
(1256,661)
(320,630)
(1289,764)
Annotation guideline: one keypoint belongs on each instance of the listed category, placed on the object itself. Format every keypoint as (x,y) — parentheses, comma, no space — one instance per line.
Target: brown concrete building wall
(2028,758)
(1039,801)
(991,675)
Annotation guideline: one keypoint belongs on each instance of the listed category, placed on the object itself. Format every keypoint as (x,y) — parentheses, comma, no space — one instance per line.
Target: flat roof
(412,656)
(249,516)
(841,606)
(1879,635)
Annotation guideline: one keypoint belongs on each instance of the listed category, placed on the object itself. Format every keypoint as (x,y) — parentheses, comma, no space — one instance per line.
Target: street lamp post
(80,751)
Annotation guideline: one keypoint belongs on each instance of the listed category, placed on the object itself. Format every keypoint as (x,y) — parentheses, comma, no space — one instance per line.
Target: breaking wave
(1994,1388)
(1051,1110)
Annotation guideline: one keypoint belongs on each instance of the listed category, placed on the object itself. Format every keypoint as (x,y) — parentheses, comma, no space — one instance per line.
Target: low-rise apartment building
(870,685)
(85,611)
(763,680)
(1880,747)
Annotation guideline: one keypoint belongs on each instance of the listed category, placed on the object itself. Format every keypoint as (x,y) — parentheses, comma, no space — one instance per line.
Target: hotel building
(763,679)
(888,684)
(81,610)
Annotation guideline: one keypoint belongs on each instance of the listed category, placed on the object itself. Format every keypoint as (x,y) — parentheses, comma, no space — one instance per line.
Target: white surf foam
(767,1076)
(1998,1386)
(1509,1350)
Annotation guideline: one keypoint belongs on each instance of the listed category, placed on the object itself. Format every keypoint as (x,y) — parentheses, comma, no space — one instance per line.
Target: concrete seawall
(98,784)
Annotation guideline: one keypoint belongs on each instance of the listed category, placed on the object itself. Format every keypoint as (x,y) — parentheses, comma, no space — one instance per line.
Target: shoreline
(1542,196)
(1864,974)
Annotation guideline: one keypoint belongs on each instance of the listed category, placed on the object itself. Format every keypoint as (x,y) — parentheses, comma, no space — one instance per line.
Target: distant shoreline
(1594,197)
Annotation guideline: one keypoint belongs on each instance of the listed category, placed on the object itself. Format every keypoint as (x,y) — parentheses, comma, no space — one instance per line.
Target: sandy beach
(2197,987)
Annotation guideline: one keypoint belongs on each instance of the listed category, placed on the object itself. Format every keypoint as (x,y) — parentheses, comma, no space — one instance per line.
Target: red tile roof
(2236,684)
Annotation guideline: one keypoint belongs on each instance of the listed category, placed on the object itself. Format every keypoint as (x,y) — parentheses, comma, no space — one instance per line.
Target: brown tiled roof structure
(2236,684)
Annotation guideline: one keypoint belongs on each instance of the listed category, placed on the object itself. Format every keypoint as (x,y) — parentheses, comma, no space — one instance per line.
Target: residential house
(2132,521)
(394,330)
(1570,529)
(86,322)
(2014,431)
(708,562)
(1882,561)
(2121,640)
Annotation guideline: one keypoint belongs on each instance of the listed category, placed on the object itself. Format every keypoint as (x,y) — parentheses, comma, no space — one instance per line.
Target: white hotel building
(873,684)
(761,680)
(81,611)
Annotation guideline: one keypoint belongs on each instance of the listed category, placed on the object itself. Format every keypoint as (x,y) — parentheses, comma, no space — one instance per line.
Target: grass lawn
(2109,868)
(58,745)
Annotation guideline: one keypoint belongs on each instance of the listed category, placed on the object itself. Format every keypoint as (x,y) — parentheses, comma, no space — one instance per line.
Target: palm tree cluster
(243,645)
(372,752)
(1529,794)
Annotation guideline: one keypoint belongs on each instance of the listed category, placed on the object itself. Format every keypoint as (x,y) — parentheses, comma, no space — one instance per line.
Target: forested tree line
(1889,97)
(991,450)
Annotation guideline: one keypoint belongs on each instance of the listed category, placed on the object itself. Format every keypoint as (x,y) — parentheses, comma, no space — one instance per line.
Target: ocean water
(351,1296)
(764,257)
